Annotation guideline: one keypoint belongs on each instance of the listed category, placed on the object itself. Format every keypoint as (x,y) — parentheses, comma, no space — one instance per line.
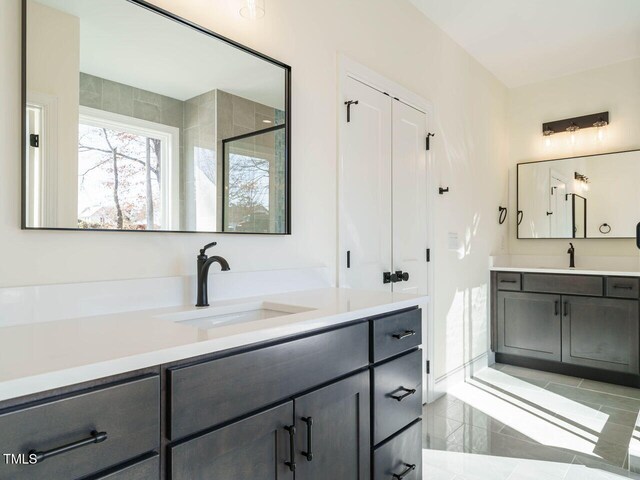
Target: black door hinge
(428,254)
(34,140)
(427,142)
(428,367)
(348,104)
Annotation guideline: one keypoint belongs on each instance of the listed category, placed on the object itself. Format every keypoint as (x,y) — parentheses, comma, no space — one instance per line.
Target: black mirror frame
(187,23)
(519,220)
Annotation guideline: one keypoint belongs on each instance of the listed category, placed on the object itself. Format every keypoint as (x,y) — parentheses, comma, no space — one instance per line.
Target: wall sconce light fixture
(583,180)
(580,177)
(573,125)
(252,9)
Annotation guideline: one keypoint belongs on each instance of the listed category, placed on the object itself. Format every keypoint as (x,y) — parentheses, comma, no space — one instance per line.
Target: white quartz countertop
(42,356)
(571,271)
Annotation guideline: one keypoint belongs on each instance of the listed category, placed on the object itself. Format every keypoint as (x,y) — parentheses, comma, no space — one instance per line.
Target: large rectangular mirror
(582,197)
(137,120)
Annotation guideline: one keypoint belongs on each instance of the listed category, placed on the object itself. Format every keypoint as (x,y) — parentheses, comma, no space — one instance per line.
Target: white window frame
(169,155)
(42,166)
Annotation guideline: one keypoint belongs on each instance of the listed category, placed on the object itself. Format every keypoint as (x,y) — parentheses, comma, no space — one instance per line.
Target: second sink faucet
(572,256)
(204,263)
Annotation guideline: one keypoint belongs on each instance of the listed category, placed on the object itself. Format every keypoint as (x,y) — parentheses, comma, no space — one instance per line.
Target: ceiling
(128,44)
(528,41)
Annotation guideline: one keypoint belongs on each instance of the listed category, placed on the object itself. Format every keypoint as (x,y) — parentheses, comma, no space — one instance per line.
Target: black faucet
(204,263)
(572,256)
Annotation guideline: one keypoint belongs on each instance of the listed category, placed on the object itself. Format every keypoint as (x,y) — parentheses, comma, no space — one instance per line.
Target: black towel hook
(502,217)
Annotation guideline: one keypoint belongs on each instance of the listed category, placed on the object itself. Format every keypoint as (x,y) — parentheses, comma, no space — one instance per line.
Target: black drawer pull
(292,447)
(508,281)
(96,437)
(408,392)
(309,453)
(566,309)
(410,468)
(556,307)
(623,287)
(405,334)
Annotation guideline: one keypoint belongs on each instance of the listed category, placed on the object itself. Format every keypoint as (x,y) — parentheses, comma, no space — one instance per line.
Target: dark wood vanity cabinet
(575,324)
(601,333)
(311,407)
(529,324)
(257,447)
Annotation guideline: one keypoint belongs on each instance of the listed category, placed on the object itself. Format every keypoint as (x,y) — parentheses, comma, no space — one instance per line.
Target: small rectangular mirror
(136,120)
(582,197)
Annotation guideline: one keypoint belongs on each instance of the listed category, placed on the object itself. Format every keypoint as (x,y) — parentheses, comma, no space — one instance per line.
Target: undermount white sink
(213,317)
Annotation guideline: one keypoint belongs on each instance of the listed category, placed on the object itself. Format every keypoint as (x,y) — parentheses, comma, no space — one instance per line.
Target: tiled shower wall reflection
(204,121)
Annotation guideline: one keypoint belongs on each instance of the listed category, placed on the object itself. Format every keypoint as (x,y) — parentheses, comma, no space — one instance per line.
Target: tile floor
(534,425)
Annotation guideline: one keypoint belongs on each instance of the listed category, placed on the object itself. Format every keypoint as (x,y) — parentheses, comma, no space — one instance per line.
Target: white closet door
(365,188)
(409,197)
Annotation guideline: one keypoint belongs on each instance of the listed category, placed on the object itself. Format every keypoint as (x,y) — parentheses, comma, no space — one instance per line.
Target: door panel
(339,431)
(601,333)
(256,448)
(365,173)
(409,197)
(529,324)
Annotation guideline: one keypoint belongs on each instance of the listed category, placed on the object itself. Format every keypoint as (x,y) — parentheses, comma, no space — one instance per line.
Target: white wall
(615,88)
(390,36)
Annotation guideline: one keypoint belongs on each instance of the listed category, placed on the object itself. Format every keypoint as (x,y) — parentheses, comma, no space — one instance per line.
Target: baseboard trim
(459,375)
(620,378)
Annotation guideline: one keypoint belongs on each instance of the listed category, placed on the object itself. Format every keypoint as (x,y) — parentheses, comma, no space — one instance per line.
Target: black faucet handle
(571,249)
(207,247)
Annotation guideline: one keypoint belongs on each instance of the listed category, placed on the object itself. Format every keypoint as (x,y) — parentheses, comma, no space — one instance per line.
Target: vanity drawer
(129,414)
(399,455)
(563,284)
(397,394)
(210,393)
(148,469)
(623,287)
(396,334)
(509,281)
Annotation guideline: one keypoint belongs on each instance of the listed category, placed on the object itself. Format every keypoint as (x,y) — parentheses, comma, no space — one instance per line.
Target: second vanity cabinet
(340,403)
(577,321)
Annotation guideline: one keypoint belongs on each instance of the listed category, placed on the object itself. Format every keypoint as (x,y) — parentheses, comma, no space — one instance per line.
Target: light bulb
(252,9)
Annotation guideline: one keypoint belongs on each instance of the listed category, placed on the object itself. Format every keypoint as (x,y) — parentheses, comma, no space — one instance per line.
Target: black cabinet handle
(408,392)
(405,334)
(95,437)
(508,281)
(292,447)
(309,453)
(410,468)
(557,307)
(566,309)
(623,287)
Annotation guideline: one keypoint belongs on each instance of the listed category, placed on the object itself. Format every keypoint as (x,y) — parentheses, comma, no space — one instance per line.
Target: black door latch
(397,276)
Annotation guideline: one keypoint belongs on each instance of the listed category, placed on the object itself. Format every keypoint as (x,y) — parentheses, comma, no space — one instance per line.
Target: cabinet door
(256,448)
(529,324)
(409,197)
(365,188)
(601,333)
(332,431)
